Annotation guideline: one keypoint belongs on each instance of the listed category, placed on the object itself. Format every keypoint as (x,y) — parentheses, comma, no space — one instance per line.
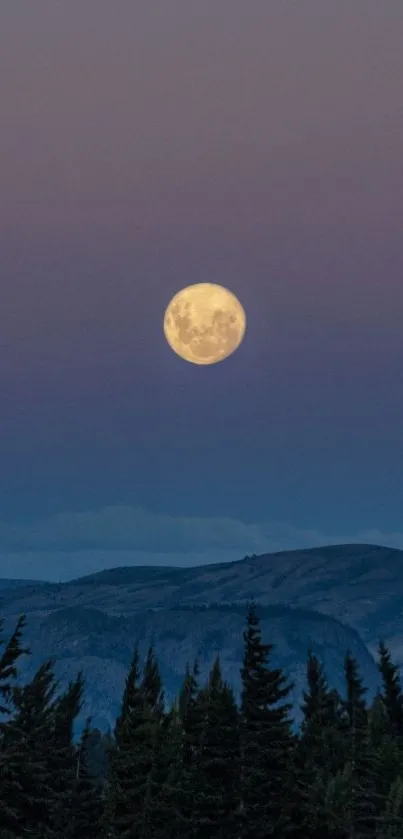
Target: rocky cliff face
(329,600)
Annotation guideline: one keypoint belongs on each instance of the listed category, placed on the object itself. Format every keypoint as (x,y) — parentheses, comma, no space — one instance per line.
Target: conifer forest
(207,766)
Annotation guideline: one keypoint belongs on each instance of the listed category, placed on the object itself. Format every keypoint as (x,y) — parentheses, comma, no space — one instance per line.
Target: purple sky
(146,146)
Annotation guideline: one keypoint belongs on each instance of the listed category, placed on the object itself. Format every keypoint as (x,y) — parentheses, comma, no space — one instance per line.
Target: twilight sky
(146,146)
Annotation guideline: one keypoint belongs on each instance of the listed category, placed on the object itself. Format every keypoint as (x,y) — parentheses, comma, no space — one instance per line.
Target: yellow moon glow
(204,323)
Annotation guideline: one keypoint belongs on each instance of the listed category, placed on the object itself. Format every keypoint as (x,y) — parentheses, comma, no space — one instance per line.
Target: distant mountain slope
(101,644)
(361,585)
(334,592)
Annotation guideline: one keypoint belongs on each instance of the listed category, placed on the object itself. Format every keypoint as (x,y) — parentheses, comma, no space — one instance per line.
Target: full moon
(204,323)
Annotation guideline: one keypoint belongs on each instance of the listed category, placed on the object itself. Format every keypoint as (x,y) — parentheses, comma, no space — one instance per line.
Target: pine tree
(391,693)
(217,785)
(192,703)
(322,730)
(360,805)
(386,761)
(26,737)
(118,809)
(151,685)
(267,743)
(8,759)
(153,698)
(61,754)
(131,758)
(85,820)
(319,753)
(121,794)
(8,663)
(163,782)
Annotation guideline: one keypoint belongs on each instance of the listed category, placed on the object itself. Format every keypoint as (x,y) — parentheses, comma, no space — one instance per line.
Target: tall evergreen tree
(85,821)
(319,753)
(164,779)
(322,730)
(26,737)
(13,650)
(9,762)
(120,794)
(391,693)
(361,788)
(267,743)
(153,718)
(217,786)
(131,758)
(192,706)
(61,754)
(386,763)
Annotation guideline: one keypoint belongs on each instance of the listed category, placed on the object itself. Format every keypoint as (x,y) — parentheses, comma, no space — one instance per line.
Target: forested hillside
(203,765)
(327,599)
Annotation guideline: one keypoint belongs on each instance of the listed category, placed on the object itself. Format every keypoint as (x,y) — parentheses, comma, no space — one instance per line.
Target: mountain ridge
(332,600)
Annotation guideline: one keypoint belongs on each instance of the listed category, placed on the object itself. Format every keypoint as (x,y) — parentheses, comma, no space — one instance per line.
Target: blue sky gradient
(151,145)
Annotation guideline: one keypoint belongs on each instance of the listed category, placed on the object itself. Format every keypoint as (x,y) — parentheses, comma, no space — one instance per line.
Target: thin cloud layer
(71,544)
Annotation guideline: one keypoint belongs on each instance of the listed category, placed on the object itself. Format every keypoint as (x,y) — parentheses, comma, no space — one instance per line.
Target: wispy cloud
(77,543)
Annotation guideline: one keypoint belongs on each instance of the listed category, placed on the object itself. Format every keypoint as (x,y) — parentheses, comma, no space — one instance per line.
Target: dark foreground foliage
(204,768)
